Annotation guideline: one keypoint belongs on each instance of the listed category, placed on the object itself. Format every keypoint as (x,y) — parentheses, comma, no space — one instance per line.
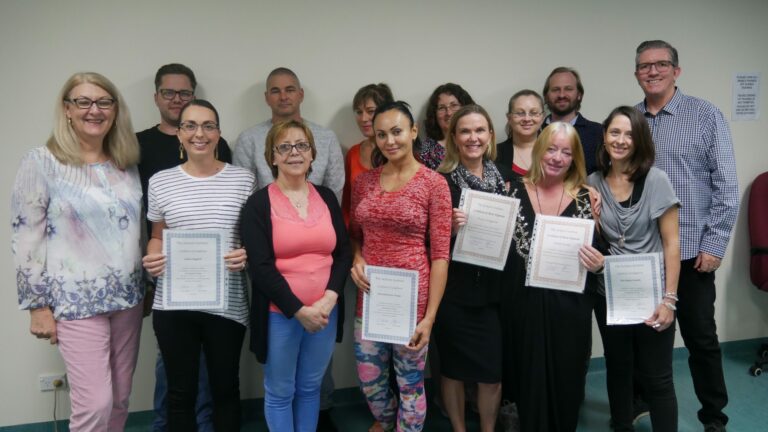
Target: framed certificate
(389,309)
(553,261)
(195,276)
(633,287)
(487,235)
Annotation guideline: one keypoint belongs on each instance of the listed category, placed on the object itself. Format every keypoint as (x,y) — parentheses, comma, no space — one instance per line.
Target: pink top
(303,247)
(392,226)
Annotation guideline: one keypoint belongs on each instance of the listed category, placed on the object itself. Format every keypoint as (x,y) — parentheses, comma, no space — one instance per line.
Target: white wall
(492,48)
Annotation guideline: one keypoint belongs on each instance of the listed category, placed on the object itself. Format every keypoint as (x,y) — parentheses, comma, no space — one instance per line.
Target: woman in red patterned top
(395,206)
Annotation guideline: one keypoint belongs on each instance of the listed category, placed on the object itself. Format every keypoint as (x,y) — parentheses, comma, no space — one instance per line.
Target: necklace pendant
(621,241)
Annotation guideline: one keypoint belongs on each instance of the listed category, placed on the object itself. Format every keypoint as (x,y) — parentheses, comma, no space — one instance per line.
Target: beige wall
(492,48)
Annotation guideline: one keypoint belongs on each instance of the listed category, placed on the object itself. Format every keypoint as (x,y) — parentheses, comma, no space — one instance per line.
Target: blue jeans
(296,362)
(203,408)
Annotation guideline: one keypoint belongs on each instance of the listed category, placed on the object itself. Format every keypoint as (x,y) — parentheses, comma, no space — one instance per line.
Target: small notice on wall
(746,96)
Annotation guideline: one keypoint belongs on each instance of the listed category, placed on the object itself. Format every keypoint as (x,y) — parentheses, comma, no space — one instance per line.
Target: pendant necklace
(623,228)
(558,205)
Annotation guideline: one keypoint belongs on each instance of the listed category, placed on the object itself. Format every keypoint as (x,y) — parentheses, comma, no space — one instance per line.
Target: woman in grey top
(639,215)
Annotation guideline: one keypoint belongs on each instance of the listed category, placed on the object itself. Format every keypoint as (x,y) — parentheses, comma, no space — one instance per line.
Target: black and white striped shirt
(198,203)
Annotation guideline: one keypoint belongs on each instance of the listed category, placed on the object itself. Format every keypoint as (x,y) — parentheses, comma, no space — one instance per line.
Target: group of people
(303,221)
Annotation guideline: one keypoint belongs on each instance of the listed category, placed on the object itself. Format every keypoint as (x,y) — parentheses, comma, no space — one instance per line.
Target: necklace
(541,211)
(297,198)
(623,228)
(526,165)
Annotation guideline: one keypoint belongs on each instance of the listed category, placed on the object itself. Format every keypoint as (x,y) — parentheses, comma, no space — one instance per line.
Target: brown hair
(572,71)
(644,152)
(274,135)
(378,93)
(521,93)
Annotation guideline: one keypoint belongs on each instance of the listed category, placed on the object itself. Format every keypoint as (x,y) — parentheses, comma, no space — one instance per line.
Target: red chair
(758,237)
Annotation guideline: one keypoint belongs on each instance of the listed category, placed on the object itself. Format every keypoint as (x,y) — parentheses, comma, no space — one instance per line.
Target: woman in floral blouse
(76,217)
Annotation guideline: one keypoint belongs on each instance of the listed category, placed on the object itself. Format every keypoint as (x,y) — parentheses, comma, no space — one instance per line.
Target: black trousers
(696,317)
(640,352)
(180,336)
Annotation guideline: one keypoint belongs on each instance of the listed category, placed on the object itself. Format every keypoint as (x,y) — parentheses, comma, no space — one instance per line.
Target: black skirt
(469,342)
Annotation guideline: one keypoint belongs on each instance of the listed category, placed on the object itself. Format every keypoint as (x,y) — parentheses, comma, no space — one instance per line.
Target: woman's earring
(69,121)
(181,151)
(216,153)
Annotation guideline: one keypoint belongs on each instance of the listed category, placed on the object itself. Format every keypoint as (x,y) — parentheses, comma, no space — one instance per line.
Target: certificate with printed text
(195,275)
(485,239)
(553,260)
(633,287)
(389,309)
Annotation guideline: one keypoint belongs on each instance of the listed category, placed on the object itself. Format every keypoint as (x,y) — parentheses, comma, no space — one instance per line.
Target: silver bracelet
(671,295)
(669,306)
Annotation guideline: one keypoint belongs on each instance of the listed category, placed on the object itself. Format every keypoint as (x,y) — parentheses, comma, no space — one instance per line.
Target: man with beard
(562,93)
(175,86)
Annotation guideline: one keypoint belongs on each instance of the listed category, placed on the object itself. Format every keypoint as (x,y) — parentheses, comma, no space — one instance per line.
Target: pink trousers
(100,355)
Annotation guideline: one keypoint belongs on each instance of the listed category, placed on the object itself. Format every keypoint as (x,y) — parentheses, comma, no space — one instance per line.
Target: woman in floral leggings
(394,207)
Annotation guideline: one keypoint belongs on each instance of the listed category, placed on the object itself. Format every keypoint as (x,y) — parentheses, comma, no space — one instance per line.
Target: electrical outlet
(52,381)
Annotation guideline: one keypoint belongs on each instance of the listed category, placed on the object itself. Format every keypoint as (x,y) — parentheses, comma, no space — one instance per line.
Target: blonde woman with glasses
(76,218)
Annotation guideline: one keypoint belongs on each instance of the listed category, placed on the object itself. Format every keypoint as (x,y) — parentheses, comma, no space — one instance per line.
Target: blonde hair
(120,142)
(452,157)
(577,173)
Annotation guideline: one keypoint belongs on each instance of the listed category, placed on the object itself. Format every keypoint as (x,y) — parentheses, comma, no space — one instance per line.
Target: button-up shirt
(694,147)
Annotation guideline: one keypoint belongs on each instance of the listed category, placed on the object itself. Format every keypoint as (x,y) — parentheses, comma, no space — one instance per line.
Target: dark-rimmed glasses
(191,127)
(169,94)
(286,148)
(83,102)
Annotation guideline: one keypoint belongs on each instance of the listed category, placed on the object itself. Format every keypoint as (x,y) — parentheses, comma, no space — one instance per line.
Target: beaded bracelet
(670,306)
(671,295)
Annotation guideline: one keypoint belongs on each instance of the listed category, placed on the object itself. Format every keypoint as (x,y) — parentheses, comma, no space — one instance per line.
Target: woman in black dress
(467,328)
(546,332)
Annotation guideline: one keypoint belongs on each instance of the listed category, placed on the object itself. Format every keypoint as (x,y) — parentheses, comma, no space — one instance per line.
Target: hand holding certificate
(389,308)
(195,277)
(553,261)
(487,235)
(633,287)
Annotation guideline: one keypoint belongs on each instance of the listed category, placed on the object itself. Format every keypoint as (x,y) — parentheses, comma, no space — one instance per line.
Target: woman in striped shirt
(202,193)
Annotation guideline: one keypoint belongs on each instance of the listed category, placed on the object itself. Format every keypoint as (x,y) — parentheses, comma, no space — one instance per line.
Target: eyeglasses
(286,148)
(522,114)
(661,66)
(453,107)
(169,94)
(86,103)
(191,127)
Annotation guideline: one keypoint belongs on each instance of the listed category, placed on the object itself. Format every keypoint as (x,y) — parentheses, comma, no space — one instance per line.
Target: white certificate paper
(633,287)
(487,235)
(195,276)
(389,309)
(553,261)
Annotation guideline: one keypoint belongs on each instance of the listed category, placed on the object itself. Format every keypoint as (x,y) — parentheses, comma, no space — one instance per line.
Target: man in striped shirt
(694,147)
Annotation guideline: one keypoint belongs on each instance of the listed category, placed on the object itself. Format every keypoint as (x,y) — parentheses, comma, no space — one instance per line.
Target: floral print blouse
(76,236)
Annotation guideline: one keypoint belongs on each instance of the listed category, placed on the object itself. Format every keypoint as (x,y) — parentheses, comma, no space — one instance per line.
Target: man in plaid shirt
(694,147)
